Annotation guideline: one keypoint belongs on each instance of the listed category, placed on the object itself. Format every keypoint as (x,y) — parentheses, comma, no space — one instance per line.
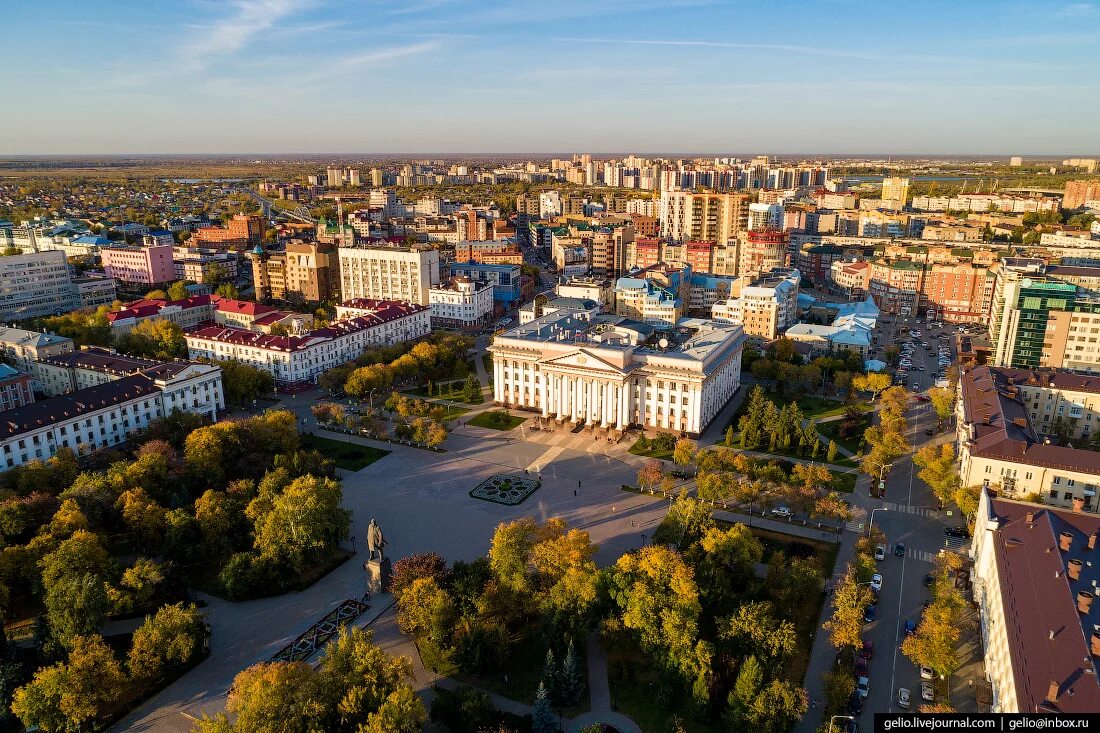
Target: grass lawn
(828,429)
(651,452)
(489,420)
(634,680)
(448,391)
(813,408)
(450,412)
(348,456)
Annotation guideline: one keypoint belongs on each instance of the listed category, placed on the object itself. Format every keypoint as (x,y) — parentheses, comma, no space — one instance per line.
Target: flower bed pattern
(509,490)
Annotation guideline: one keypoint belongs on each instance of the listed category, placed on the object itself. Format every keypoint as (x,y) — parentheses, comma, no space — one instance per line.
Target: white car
(903,698)
(880,552)
(782,511)
(926,673)
(863,685)
(927,693)
(876,582)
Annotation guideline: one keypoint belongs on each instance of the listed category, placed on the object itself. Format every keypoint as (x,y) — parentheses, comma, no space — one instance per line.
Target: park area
(496,420)
(345,454)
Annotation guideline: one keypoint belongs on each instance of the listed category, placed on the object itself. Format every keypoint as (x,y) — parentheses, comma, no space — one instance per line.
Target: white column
(612,410)
(559,387)
(544,394)
(625,391)
(498,381)
(576,397)
(593,401)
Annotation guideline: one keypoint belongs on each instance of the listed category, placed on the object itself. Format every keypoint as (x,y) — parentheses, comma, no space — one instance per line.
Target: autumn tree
(943,403)
(684,452)
(873,382)
(70,696)
(74,586)
(305,522)
(651,474)
(938,470)
(156,339)
(171,637)
(850,599)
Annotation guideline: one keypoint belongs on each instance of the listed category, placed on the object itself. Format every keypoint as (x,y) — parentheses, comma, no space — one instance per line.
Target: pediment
(581,360)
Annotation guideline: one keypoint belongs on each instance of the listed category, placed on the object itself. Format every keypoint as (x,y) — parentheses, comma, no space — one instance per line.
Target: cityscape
(704,422)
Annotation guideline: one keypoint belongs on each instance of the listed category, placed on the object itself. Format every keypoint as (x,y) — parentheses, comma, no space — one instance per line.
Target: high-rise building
(1078,192)
(703,217)
(1015,161)
(241,232)
(895,192)
(762,250)
(388,272)
(143,265)
(766,307)
(306,269)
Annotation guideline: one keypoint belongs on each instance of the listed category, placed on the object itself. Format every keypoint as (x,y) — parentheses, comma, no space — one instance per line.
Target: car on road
(928,580)
(960,532)
(926,692)
(876,582)
(929,431)
(782,511)
(903,698)
(860,669)
(869,613)
(920,368)
(910,627)
(868,649)
(863,686)
(899,549)
(855,703)
(926,673)
(922,398)
(880,552)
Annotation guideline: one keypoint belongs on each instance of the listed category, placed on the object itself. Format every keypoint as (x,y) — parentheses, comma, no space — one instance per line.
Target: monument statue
(375,541)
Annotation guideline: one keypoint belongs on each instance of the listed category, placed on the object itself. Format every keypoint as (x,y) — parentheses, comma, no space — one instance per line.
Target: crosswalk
(923,555)
(920,511)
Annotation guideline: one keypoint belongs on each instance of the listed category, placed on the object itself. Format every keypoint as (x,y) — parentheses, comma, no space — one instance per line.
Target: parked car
(860,668)
(880,552)
(926,673)
(869,613)
(899,549)
(863,686)
(876,582)
(926,692)
(855,703)
(910,627)
(929,431)
(903,698)
(922,398)
(928,580)
(868,649)
(782,511)
(960,532)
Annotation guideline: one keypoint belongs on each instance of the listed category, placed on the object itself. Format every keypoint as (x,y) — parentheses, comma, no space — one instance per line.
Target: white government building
(611,372)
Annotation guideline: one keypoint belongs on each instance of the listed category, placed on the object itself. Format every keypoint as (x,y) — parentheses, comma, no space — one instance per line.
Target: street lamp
(846,717)
(370,399)
(872,523)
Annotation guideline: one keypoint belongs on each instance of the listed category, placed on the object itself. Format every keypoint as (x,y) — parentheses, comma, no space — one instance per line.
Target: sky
(483,76)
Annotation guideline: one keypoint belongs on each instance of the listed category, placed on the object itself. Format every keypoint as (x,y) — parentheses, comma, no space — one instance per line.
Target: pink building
(146,265)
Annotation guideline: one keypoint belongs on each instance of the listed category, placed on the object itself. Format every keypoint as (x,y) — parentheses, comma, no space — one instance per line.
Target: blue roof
(92,239)
(7,372)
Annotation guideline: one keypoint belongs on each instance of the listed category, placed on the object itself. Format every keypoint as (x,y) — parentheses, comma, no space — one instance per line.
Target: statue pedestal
(379,573)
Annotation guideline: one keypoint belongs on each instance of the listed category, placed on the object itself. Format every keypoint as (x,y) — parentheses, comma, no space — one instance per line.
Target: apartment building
(16,388)
(93,365)
(851,278)
(23,348)
(296,361)
(490,251)
(611,372)
(306,270)
(108,414)
(194,263)
(389,272)
(766,308)
(895,192)
(152,265)
(981,203)
(1009,421)
(703,217)
(762,250)
(643,299)
(600,290)
(461,303)
(241,232)
(1035,582)
(1078,192)
(507,280)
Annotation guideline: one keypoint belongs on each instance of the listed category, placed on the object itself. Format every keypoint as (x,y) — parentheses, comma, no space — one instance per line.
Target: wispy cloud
(248,20)
(792,48)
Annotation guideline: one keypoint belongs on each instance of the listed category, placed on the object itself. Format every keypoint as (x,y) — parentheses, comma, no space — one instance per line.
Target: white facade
(549,204)
(296,360)
(388,273)
(765,309)
(611,373)
(107,414)
(35,284)
(463,302)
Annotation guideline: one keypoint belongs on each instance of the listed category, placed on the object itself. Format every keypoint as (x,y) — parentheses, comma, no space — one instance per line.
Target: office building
(491,251)
(506,279)
(132,264)
(194,264)
(611,372)
(23,348)
(395,273)
(852,329)
(35,284)
(296,361)
(306,270)
(109,414)
(1015,161)
(241,232)
(16,388)
(641,298)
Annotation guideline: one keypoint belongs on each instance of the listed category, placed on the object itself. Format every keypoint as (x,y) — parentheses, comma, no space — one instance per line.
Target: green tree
(426,611)
(777,707)
(227,290)
(551,676)
(572,682)
(754,629)
(276,696)
(839,686)
(366,685)
(70,696)
(830,455)
(154,339)
(73,583)
(938,470)
(943,402)
(305,523)
(873,382)
(542,716)
(178,290)
(243,383)
(172,637)
(750,678)
(729,437)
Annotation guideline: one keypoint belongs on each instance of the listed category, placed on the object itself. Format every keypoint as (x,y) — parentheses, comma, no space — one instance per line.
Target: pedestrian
(631,522)
(574,492)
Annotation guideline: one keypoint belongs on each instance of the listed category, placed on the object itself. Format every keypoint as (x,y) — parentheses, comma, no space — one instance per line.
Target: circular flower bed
(510,490)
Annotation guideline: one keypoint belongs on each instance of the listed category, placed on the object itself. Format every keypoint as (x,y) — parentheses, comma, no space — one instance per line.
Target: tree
(216,273)
(687,520)
(161,339)
(750,678)
(936,639)
(873,382)
(966,498)
(243,383)
(305,523)
(364,684)
(943,402)
(276,696)
(69,696)
(550,675)
(471,390)
(172,637)
(850,599)
(542,716)
(426,611)
(650,475)
(571,684)
(420,565)
(364,380)
(839,686)
(178,290)
(938,470)
(401,712)
(684,453)
(227,290)
(754,629)
(729,437)
(73,583)
(778,707)
(729,557)
(156,295)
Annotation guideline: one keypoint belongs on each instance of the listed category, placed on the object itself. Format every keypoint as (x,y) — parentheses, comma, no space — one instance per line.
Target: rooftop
(38,415)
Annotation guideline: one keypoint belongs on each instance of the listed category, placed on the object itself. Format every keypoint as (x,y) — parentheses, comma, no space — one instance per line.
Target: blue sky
(480,76)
